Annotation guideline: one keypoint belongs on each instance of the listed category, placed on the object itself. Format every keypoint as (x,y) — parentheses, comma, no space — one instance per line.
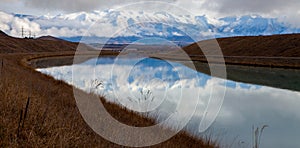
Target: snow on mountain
(129,26)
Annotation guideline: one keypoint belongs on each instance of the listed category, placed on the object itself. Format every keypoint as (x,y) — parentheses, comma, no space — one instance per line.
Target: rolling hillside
(44,44)
(265,46)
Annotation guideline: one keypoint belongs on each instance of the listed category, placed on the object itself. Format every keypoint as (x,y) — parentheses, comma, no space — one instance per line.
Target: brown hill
(267,46)
(50,38)
(46,44)
(2,34)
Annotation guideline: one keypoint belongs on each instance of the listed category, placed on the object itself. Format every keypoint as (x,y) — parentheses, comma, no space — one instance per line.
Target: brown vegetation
(275,50)
(39,111)
(15,45)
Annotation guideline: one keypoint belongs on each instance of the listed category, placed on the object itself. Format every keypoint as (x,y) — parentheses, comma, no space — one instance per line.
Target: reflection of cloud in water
(277,108)
(245,105)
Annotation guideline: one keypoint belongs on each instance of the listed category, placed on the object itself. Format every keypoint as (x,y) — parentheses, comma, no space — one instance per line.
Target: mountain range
(111,26)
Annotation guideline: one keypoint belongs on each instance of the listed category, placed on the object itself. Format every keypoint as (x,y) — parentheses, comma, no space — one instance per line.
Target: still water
(156,87)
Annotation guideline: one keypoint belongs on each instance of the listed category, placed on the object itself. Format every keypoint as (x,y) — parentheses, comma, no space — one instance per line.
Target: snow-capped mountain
(130,26)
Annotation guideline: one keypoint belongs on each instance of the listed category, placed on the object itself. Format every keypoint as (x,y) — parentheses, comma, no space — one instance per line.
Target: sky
(289,8)
(286,11)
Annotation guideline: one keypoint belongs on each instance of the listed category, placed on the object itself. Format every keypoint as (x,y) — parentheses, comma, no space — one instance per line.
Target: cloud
(65,5)
(287,11)
(13,25)
(254,6)
(105,24)
(208,7)
(76,24)
(78,5)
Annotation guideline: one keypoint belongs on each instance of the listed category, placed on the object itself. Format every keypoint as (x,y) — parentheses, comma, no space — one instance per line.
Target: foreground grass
(38,111)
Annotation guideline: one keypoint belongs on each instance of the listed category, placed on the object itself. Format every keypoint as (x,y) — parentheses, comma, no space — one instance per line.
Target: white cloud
(13,26)
(77,24)
(215,8)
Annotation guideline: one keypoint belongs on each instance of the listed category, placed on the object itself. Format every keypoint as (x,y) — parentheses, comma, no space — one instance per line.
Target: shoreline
(53,117)
(44,60)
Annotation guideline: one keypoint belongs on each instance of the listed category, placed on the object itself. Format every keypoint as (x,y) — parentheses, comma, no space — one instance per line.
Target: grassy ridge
(270,51)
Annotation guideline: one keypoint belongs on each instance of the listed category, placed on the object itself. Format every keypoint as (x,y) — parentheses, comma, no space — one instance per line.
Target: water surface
(156,86)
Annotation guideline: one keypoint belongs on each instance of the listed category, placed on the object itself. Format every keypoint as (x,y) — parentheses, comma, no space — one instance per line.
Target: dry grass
(251,50)
(52,117)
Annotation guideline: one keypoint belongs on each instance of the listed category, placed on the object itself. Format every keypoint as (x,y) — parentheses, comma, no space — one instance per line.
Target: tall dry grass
(38,111)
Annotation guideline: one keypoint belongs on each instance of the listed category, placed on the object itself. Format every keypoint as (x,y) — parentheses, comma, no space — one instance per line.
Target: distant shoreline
(59,59)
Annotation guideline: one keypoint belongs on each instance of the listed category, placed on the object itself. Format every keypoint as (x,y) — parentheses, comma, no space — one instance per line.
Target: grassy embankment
(37,110)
